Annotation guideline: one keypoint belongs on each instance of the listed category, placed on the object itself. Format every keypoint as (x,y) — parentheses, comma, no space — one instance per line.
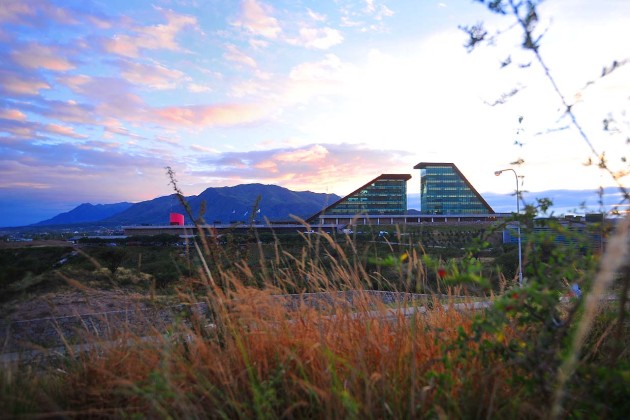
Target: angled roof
(402,177)
(423,165)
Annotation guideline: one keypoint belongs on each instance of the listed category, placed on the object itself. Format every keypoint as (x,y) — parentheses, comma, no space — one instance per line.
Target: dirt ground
(66,300)
(71,302)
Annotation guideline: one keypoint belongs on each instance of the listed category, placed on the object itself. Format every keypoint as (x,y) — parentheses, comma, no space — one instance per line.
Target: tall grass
(265,355)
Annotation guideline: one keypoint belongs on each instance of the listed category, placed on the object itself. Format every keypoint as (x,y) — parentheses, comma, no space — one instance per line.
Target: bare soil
(72,302)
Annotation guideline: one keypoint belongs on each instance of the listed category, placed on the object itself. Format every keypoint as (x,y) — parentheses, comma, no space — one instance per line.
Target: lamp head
(497,173)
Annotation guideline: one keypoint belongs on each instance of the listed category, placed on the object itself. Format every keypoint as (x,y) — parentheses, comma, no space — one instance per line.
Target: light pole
(518,226)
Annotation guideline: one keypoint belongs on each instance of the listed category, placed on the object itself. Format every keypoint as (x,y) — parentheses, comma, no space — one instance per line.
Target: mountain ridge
(222,204)
(84,213)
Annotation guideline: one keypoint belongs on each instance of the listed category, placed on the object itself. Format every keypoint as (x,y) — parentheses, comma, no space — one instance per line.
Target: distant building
(444,190)
(384,195)
(176,219)
(446,197)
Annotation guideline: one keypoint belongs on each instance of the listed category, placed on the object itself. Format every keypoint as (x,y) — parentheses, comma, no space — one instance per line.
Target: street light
(518,229)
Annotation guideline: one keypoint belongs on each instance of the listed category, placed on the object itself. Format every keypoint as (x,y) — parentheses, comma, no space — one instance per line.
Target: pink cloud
(155,76)
(64,131)
(27,185)
(123,105)
(343,167)
(113,126)
(23,131)
(15,11)
(235,55)
(203,149)
(12,114)
(212,116)
(256,18)
(267,165)
(110,97)
(122,45)
(36,56)
(313,154)
(156,37)
(15,84)
(70,112)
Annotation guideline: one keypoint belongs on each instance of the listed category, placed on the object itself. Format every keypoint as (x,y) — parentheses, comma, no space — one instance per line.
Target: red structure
(176,219)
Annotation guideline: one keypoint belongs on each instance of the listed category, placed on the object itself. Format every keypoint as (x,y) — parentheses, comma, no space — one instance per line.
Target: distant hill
(229,204)
(224,204)
(85,213)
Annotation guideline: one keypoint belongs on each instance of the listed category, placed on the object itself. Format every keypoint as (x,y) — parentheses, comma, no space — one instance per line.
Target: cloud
(368,19)
(312,154)
(22,12)
(63,131)
(198,88)
(37,56)
(155,76)
(317,166)
(114,126)
(317,17)
(65,175)
(329,76)
(12,114)
(213,115)
(108,96)
(256,18)
(12,83)
(235,55)
(328,69)
(249,88)
(203,149)
(318,38)
(68,111)
(154,37)
(21,129)
(13,11)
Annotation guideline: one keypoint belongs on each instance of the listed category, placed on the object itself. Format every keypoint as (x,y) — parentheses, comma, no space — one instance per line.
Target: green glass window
(386,194)
(444,190)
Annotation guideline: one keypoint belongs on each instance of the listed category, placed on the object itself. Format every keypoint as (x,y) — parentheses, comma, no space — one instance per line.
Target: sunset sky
(97,97)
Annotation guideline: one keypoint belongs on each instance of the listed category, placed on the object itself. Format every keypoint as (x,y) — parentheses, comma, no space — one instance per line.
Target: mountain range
(222,205)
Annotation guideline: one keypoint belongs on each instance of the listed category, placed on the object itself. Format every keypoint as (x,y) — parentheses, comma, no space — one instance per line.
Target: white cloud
(318,38)
(198,88)
(235,55)
(256,17)
(153,75)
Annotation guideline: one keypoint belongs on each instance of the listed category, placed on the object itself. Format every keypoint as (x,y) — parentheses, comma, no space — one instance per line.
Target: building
(446,197)
(444,190)
(384,195)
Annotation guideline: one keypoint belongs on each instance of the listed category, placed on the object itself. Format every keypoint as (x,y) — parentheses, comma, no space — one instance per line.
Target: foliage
(266,356)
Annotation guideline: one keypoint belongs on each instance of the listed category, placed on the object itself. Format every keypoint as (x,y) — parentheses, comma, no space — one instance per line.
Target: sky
(98,97)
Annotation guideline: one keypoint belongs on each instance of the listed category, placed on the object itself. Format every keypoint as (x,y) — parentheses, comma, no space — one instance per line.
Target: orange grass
(264,361)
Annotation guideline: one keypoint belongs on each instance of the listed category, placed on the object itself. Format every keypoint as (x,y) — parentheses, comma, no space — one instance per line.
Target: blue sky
(97,97)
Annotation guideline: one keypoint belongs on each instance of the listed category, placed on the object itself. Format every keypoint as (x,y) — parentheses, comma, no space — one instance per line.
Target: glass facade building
(386,194)
(445,190)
